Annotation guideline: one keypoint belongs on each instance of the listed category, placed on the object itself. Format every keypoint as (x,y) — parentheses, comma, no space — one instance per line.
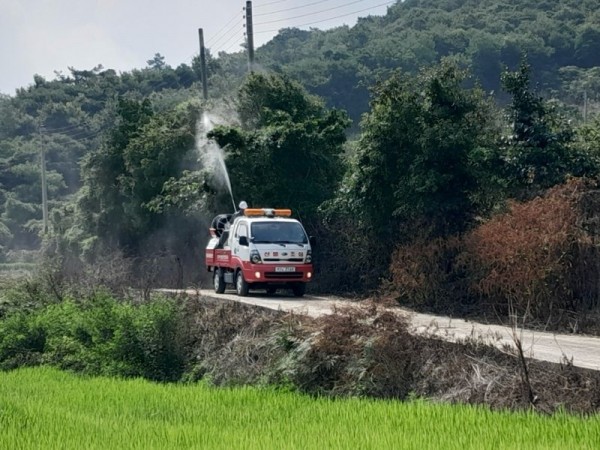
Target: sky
(44,36)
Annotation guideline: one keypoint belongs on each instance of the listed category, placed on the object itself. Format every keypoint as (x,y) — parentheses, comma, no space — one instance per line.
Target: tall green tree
(537,147)
(419,153)
(157,62)
(129,171)
(288,150)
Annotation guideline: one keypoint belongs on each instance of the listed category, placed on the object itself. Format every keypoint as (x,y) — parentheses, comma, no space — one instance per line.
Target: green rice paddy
(44,408)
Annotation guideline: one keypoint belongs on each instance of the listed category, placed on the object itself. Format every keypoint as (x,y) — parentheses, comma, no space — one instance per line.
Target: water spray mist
(211,155)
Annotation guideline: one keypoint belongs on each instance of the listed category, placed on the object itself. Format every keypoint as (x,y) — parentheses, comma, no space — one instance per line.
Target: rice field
(44,408)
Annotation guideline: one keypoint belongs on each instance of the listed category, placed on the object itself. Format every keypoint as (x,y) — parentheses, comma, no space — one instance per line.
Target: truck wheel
(241,285)
(299,289)
(219,281)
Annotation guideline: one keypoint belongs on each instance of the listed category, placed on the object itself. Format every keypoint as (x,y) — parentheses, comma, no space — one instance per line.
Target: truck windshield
(278,233)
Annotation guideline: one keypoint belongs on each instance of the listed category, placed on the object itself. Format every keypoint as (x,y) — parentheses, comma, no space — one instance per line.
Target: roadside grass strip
(44,408)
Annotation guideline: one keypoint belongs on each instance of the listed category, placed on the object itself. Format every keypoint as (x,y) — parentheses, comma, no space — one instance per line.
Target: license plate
(285,269)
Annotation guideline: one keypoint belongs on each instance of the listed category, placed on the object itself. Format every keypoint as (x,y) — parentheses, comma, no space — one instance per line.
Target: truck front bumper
(277,273)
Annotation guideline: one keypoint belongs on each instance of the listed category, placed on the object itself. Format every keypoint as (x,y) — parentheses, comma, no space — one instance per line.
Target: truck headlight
(308,256)
(255,257)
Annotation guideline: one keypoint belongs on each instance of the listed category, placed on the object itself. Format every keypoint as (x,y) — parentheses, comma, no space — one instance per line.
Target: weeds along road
(583,351)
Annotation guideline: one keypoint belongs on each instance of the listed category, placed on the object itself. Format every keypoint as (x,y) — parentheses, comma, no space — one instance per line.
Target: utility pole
(250,36)
(585,106)
(44,185)
(203,64)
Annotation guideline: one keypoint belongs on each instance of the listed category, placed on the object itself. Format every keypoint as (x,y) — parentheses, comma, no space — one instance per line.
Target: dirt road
(583,351)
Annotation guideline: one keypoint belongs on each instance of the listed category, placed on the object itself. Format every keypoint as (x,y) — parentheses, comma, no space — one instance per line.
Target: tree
(587,149)
(416,159)
(587,46)
(157,62)
(288,150)
(129,171)
(536,150)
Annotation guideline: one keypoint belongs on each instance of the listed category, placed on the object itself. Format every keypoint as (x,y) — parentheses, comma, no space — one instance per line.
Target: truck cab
(264,249)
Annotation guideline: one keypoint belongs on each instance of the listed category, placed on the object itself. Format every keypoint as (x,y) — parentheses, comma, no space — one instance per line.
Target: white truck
(262,249)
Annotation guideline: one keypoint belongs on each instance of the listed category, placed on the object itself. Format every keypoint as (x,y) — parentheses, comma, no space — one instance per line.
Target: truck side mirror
(312,240)
(244,241)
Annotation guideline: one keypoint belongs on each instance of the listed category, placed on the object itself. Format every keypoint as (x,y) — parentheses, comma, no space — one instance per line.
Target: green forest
(442,152)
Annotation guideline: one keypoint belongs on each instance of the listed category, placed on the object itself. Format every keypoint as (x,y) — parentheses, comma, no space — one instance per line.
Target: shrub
(98,335)
(428,273)
(22,341)
(229,342)
(348,257)
(356,351)
(160,336)
(538,259)
(524,260)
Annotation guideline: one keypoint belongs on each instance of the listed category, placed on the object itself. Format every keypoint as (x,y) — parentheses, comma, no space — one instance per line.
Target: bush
(347,257)
(356,351)
(98,335)
(229,342)
(521,261)
(22,341)
(428,273)
(539,259)
(159,333)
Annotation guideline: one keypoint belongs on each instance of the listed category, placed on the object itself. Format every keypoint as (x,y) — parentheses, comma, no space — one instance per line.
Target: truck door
(241,251)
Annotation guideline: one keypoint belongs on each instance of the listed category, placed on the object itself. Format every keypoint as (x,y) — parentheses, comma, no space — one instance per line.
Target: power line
(61,129)
(228,34)
(224,26)
(77,132)
(270,3)
(228,41)
(86,134)
(291,9)
(66,133)
(81,135)
(233,45)
(312,13)
(84,122)
(330,18)
(232,30)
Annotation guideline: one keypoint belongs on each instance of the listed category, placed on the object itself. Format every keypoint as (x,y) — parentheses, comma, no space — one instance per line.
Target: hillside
(561,39)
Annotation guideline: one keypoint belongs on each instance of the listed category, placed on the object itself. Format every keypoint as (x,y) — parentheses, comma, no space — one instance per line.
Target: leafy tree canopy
(417,157)
(538,150)
(286,153)
(129,170)
(339,64)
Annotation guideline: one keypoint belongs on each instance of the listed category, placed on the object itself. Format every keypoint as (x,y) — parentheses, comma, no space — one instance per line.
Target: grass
(49,409)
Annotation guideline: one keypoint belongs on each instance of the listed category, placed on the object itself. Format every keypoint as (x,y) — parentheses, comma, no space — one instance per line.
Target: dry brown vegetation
(369,351)
(540,259)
